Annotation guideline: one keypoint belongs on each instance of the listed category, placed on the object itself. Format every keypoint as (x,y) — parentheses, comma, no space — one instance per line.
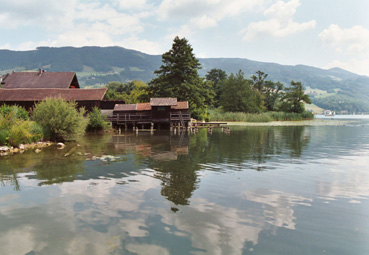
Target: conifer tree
(178,77)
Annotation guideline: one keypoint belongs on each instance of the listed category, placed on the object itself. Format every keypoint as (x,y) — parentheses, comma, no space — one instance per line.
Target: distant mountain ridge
(334,89)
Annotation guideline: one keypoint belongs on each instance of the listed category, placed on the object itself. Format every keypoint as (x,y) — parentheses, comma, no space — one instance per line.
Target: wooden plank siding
(146,114)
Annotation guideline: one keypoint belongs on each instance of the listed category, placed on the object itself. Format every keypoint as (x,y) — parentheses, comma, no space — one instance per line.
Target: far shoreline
(314,122)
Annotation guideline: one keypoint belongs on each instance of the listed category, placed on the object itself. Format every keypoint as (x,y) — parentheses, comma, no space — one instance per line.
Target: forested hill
(334,89)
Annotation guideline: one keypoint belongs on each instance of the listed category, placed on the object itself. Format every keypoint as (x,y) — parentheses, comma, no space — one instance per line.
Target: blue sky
(321,33)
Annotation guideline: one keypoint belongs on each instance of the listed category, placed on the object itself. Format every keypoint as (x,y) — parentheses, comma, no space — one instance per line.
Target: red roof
(164,101)
(60,80)
(143,107)
(180,106)
(42,94)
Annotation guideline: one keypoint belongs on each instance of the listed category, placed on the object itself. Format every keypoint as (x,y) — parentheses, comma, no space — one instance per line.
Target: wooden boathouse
(160,112)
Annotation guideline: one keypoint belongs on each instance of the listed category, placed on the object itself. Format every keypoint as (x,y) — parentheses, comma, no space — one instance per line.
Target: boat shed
(160,112)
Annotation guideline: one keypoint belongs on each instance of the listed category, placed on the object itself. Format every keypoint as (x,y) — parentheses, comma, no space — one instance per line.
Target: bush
(4,137)
(18,111)
(23,132)
(60,120)
(96,121)
(15,128)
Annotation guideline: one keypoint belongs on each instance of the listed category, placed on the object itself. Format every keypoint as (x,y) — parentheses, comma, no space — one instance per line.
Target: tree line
(178,77)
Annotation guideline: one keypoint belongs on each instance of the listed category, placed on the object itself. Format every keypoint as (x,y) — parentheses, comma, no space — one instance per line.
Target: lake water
(258,190)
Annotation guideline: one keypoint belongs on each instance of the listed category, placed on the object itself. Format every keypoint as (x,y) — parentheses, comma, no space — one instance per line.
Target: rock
(37,150)
(60,145)
(21,146)
(4,148)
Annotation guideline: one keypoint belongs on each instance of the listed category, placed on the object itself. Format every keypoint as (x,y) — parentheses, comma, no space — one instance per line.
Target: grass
(217,115)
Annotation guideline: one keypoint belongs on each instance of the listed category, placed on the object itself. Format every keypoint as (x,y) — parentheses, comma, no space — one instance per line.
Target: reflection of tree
(9,177)
(295,139)
(57,168)
(244,144)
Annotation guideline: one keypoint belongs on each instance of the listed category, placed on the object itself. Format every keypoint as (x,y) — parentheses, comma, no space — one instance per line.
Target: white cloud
(350,40)
(142,45)
(352,46)
(279,23)
(133,4)
(46,14)
(216,9)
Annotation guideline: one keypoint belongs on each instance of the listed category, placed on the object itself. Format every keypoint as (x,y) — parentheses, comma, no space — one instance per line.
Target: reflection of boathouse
(160,147)
(159,112)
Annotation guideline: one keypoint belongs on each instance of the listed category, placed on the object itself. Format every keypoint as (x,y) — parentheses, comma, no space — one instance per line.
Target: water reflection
(259,190)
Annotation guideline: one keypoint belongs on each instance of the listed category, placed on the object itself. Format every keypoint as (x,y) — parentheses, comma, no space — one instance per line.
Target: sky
(320,33)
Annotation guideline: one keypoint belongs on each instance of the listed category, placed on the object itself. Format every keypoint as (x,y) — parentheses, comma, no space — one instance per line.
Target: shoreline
(6,150)
(314,122)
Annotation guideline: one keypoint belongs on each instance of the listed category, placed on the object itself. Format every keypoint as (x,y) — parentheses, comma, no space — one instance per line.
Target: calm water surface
(257,190)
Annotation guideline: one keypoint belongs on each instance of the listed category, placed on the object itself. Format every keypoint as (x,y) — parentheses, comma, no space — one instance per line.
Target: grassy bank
(217,115)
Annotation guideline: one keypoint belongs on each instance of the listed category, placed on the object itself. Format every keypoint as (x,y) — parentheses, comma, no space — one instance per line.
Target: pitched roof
(180,105)
(143,107)
(42,94)
(40,79)
(125,107)
(147,106)
(164,101)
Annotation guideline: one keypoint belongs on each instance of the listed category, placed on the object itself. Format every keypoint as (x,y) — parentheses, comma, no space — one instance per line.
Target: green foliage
(294,97)
(220,115)
(96,121)
(341,102)
(238,95)
(4,136)
(60,120)
(19,112)
(217,77)
(15,128)
(131,92)
(291,116)
(24,132)
(178,77)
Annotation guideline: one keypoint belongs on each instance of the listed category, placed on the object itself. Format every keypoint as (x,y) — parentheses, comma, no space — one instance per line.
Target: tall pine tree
(178,77)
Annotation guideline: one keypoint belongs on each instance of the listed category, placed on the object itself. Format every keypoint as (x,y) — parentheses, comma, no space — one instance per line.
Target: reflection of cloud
(277,206)
(147,249)
(83,217)
(18,241)
(340,183)
(215,228)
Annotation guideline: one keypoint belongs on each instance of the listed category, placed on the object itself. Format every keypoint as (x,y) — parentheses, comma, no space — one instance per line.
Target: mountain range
(334,89)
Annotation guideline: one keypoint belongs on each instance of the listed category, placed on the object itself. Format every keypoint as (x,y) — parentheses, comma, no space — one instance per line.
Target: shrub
(24,132)
(96,121)
(4,136)
(18,111)
(60,120)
